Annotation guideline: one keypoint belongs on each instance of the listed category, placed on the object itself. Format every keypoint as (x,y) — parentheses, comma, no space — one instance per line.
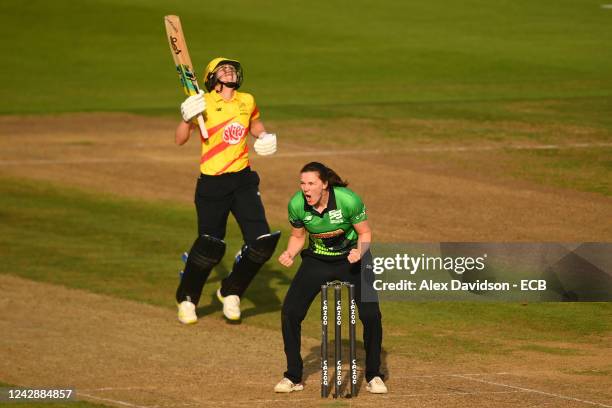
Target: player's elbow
(180,138)
(365,235)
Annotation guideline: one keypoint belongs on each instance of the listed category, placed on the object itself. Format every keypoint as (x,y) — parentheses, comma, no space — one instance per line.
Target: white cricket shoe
(231,305)
(376,386)
(285,385)
(187,312)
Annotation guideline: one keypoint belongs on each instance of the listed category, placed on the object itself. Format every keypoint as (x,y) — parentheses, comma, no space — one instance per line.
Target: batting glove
(193,106)
(265,144)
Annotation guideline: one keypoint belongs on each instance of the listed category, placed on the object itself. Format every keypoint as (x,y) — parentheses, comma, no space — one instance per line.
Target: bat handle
(202,126)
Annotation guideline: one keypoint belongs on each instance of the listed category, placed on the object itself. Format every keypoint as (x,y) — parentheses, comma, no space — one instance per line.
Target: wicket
(338,339)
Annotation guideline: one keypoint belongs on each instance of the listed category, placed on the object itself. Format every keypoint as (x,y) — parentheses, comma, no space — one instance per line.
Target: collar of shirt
(219,98)
(331,204)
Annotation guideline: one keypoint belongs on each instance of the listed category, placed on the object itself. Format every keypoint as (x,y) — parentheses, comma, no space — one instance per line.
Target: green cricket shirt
(331,232)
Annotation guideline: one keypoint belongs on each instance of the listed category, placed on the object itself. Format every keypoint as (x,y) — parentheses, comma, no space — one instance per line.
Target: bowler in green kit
(338,234)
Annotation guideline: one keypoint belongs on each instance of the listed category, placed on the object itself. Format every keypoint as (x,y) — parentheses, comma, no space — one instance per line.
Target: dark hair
(326,174)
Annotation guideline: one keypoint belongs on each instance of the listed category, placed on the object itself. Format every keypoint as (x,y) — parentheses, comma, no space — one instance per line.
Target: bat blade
(182,61)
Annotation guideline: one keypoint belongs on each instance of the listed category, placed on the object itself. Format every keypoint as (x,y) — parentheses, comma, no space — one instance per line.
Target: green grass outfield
(463,71)
(475,70)
(130,249)
(323,58)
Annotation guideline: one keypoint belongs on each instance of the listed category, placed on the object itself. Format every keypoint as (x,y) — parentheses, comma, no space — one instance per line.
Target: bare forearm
(295,245)
(363,241)
(182,133)
(364,236)
(257,128)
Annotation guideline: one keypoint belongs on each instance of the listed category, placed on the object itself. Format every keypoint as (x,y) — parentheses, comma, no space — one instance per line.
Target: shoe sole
(188,322)
(291,390)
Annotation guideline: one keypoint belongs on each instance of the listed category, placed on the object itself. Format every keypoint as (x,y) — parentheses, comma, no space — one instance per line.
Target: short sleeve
(295,218)
(357,210)
(255,113)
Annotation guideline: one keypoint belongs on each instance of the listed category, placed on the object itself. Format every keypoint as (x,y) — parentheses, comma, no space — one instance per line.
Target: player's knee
(207,251)
(292,313)
(369,312)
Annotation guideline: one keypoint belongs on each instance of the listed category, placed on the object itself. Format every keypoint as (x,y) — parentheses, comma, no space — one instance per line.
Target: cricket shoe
(187,313)
(286,385)
(376,386)
(231,305)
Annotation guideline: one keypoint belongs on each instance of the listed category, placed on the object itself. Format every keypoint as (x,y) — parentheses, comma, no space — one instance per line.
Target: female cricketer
(336,220)
(226,184)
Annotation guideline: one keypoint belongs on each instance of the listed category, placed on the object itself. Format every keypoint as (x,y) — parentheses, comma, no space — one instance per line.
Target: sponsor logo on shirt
(361,214)
(244,110)
(331,234)
(233,133)
(335,216)
(308,218)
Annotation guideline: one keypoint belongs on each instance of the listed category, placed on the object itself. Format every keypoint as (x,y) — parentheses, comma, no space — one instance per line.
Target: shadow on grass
(262,292)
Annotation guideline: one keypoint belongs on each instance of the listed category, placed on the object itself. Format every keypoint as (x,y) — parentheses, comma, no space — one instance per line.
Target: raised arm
(182,133)
(191,107)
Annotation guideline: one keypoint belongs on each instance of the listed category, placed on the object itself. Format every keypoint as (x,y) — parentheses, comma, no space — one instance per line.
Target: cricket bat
(184,67)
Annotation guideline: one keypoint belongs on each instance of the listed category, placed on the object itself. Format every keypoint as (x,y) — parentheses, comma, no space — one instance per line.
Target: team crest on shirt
(335,216)
(233,133)
(244,110)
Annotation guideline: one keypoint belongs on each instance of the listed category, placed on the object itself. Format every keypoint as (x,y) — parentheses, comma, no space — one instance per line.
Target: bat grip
(202,126)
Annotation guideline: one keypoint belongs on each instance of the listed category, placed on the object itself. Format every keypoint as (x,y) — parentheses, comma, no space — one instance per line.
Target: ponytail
(325,174)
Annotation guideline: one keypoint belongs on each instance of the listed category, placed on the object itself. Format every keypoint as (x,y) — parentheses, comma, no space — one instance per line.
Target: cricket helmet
(210,74)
